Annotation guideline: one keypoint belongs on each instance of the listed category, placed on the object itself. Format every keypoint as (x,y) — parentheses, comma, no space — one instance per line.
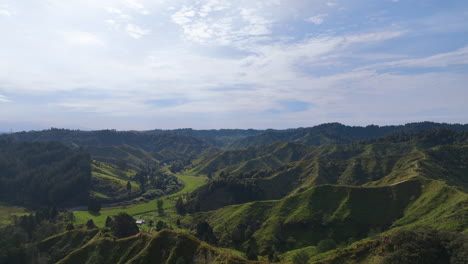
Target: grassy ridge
(108,181)
(281,171)
(163,247)
(343,213)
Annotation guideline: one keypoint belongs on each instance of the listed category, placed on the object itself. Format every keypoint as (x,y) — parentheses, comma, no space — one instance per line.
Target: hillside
(43,174)
(340,213)
(163,247)
(426,246)
(279,169)
(134,157)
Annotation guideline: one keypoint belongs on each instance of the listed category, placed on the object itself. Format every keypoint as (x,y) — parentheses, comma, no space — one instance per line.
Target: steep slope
(59,246)
(279,169)
(268,156)
(403,247)
(164,247)
(448,163)
(341,213)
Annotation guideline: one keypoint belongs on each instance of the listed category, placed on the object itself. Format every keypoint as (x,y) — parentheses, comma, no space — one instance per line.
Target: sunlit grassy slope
(343,213)
(163,247)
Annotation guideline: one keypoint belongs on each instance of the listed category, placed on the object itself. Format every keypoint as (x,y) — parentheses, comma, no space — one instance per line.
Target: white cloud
(135,31)
(183,16)
(136,5)
(206,46)
(256,24)
(4,12)
(457,57)
(221,23)
(82,38)
(318,19)
(374,37)
(4,99)
(113,24)
(114,10)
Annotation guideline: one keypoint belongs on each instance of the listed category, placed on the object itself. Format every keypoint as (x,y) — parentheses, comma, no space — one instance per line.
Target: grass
(8,211)
(108,175)
(190,183)
(145,210)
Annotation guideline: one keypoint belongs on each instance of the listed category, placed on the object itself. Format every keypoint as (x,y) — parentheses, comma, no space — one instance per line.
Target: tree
(180,206)
(160,205)
(178,222)
(160,225)
(109,222)
(90,224)
(180,260)
(252,249)
(326,245)
(129,187)
(124,225)
(301,258)
(205,233)
(273,255)
(70,226)
(94,205)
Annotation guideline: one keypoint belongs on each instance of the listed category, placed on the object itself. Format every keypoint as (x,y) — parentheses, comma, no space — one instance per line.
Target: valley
(326,194)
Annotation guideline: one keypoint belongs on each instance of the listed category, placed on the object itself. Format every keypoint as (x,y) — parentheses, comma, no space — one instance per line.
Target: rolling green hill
(280,169)
(163,247)
(341,213)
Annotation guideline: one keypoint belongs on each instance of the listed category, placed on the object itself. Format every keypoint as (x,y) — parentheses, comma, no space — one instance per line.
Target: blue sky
(141,64)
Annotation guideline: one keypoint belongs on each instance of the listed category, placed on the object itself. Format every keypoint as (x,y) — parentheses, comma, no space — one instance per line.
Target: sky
(147,64)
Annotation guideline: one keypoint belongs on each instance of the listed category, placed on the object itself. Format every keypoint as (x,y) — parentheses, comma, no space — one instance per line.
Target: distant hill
(216,137)
(163,145)
(336,133)
(134,157)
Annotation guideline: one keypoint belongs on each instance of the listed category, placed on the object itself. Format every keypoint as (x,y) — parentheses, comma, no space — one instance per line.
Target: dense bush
(43,174)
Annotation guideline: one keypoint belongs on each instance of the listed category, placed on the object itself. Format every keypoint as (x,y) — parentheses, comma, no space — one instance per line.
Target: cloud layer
(140,64)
